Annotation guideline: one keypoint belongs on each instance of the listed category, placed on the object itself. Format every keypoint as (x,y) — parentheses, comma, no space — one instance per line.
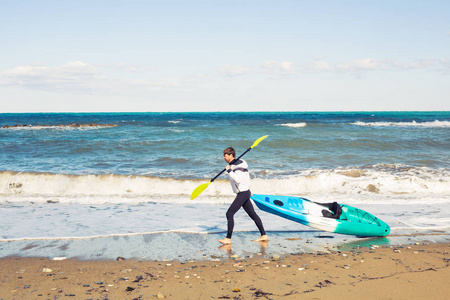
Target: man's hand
(227,167)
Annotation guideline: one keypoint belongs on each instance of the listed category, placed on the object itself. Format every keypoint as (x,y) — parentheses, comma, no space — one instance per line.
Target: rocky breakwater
(73,125)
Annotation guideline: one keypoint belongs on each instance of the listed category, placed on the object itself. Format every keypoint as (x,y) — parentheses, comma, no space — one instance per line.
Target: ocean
(63,180)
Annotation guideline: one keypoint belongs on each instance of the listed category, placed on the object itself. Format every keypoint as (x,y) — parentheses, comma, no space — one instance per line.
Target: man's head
(229,154)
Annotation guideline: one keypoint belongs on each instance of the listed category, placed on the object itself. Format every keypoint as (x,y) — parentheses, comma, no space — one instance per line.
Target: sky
(224,55)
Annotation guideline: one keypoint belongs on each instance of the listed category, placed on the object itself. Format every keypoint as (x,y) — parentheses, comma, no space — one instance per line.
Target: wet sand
(378,272)
(185,246)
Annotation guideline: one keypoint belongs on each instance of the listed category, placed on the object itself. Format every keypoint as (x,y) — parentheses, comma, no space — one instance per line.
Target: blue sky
(224,55)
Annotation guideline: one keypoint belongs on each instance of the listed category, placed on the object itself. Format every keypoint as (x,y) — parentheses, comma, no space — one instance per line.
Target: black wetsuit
(240,182)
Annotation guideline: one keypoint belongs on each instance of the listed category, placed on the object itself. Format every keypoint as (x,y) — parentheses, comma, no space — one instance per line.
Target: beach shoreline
(379,272)
(186,246)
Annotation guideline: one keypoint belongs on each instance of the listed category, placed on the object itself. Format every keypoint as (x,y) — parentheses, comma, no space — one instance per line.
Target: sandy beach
(379,272)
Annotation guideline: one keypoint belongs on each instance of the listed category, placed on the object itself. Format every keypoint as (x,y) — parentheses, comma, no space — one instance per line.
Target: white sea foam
(56,127)
(376,183)
(293,125)
(435,123)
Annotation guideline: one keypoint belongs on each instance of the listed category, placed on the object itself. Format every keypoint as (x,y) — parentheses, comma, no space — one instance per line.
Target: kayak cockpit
(334,210)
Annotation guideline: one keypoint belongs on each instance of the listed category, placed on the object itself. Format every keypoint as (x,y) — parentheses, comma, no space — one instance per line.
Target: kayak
(331,217)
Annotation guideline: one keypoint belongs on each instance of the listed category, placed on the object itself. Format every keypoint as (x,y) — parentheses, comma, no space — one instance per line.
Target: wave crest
(435,123)
(369,182)
(293,125)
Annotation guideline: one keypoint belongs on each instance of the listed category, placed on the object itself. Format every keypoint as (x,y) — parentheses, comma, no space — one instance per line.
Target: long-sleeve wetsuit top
(239,176)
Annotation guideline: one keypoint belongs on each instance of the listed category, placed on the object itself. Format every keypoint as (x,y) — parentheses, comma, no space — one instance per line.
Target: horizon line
(237,111)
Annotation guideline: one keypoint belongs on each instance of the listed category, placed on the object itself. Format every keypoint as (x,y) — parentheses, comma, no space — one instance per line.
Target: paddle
(203,186)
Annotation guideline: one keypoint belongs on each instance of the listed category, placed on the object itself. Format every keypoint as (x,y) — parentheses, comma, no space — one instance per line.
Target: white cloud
(419,64)
(151,85)
(366,64)
(127,79)
(78,67)
(321,66)
(78,77)
(422,64)
(445,63)
(233,70)
(123,67)
(38,76)
(275,68)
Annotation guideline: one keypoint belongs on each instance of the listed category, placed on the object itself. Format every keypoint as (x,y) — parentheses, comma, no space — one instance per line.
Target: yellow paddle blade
(258,141)
(198,190)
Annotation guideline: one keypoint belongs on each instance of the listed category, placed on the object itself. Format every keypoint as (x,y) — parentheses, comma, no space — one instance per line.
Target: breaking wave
(436,123)
(376,181)
(293,125)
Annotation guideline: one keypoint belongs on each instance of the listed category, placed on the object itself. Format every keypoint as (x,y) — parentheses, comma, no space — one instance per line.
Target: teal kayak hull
(351,221)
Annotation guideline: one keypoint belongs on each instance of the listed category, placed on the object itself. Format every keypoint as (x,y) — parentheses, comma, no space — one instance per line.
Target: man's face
(228,158)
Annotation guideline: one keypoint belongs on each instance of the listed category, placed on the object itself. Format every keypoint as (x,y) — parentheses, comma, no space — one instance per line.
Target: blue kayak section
(337,218)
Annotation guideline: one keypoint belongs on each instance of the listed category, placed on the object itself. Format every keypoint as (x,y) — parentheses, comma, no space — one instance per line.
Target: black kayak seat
(336,211)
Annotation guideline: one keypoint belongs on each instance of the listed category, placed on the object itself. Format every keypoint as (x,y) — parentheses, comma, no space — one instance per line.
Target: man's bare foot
(225,241)
(263,238)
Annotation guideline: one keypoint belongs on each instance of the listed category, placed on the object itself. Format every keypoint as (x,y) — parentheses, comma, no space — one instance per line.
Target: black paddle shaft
(231,164)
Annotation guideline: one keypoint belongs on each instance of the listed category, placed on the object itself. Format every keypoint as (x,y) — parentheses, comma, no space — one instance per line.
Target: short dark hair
(230,150)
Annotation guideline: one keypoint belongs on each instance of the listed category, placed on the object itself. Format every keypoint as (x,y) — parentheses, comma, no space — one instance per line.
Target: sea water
(137,177)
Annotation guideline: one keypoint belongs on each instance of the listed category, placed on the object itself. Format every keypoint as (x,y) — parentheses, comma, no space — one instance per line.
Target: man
(240,182)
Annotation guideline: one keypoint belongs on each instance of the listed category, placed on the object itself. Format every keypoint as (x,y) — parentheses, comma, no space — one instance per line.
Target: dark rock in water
(14,185)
